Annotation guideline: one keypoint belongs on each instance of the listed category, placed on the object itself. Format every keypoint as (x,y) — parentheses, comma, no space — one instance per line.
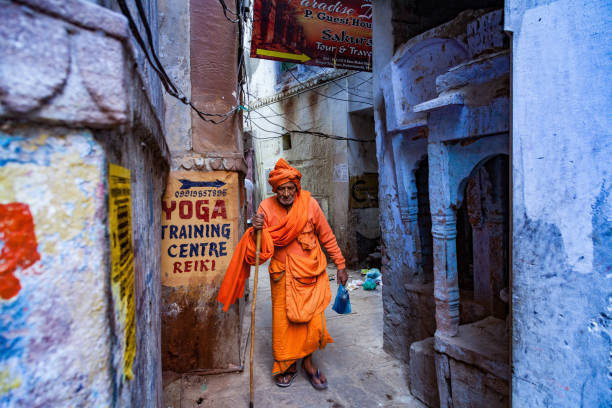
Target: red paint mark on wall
(18,243)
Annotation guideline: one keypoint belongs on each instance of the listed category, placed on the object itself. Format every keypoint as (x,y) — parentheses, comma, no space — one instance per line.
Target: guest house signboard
(326,33)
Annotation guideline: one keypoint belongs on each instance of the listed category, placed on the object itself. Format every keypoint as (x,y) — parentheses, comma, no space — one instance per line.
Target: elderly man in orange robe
(293,229)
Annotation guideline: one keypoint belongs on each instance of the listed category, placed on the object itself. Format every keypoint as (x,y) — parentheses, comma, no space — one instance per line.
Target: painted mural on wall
(329,34)
(53,311)
(199,223)
(19,248)
(19,251)
(122,258)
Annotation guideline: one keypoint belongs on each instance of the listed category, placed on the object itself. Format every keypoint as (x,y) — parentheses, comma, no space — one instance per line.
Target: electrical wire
(349,92)
(226,10)
(310,88)
(334,137)
(276,113)
(272,123)
(305,107)
(300,131)
(306,132)
(321,84)
(143,18)
(132,24)
(323,95)
(167,83)
(335,82)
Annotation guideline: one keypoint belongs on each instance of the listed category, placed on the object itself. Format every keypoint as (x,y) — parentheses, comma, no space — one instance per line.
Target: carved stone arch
(463,183)
(415,68)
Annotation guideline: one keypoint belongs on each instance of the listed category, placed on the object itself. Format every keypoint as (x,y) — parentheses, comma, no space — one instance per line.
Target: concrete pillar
(446,292)
(196,334)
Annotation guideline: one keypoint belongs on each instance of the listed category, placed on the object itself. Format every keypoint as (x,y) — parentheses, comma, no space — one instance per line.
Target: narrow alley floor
(360,373)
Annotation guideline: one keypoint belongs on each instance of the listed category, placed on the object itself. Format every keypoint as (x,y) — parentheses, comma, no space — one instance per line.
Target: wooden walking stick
(257,249)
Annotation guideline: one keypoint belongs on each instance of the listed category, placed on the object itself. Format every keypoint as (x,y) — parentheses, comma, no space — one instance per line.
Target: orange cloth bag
(307,290)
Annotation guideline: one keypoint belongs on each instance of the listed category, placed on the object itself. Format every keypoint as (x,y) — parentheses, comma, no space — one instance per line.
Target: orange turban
(284,173)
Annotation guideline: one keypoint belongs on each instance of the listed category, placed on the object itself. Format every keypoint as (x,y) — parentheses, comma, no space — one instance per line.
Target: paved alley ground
(360,373)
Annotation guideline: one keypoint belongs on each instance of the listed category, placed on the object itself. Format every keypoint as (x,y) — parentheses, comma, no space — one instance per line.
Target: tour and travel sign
(328,33)
(199,223)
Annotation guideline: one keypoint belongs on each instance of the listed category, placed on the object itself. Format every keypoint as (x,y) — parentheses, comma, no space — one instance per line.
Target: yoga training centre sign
(199,223)
(326,33)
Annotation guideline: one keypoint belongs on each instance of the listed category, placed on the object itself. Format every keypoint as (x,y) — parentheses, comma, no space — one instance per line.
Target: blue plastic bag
(342,304)
(369,284)
(373,274)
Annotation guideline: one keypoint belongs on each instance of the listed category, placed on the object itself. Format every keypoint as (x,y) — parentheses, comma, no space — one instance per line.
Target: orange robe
(298,263)
(292,341)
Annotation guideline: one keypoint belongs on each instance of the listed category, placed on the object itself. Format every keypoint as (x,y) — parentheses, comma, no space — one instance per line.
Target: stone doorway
(482,241)
(473,364)
(424,220)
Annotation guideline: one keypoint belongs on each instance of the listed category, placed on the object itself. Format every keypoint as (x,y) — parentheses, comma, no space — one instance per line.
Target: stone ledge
(211,162)
(420,288)
(484,344)
(419,124)
(83,14)
(444,100)
(475,72)
(71,63)
(59,73)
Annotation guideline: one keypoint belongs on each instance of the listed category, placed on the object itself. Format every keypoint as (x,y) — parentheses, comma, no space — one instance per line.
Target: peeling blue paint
(13,321)
(602,232)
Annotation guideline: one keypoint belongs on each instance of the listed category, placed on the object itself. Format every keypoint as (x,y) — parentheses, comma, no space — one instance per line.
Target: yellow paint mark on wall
(62,179)
(122,257)
(32,144)
(60,196)
(7,383)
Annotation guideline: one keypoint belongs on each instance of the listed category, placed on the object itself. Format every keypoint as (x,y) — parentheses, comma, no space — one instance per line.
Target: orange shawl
(280,235)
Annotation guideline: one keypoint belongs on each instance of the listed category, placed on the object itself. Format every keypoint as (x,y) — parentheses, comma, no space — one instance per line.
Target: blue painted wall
(562,258)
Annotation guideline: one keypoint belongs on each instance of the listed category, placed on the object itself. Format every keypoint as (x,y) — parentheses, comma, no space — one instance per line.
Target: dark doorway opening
(482,241)
(424,219)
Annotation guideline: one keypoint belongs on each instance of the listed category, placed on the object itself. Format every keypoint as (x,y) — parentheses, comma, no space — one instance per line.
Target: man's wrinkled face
(285,194)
